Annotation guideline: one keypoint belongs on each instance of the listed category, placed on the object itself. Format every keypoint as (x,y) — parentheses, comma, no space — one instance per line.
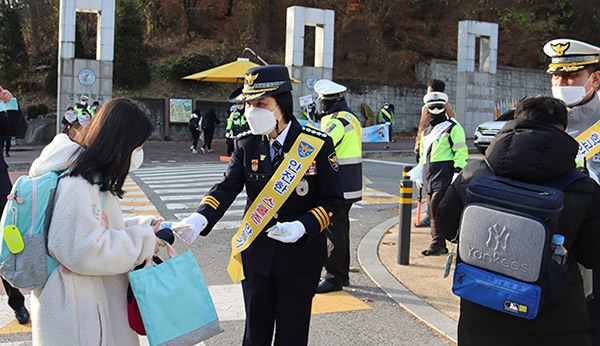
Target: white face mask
(261,121)
(571,95)
(137,158)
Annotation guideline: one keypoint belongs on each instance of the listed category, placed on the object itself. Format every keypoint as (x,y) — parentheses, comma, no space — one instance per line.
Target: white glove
(189,228)
(418,183)
(287,232)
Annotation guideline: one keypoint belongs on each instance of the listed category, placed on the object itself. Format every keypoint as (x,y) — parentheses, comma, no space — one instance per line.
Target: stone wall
(511,83)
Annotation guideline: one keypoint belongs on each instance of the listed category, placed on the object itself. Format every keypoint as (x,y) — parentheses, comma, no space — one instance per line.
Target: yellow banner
(271,198)
(589,141)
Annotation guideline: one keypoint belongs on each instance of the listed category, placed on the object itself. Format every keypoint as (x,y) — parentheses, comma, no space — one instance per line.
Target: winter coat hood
(56,156)
(550,152)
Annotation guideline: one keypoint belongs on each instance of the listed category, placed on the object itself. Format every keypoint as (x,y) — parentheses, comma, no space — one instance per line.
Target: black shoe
(346,283)
(435,250)
(326,286)
(22,315)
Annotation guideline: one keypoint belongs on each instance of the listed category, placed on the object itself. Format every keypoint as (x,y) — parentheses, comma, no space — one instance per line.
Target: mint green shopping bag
(174,301)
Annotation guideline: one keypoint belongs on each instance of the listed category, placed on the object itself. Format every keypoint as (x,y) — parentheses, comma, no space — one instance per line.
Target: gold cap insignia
(250,78)
(560,48)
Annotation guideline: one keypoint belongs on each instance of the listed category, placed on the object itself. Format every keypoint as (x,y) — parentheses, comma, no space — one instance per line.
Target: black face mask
(326,105)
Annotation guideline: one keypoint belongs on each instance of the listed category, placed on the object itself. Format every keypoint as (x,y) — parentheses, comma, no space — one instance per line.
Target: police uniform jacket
(251,167)
(533,153)
(446,153)
(344,129)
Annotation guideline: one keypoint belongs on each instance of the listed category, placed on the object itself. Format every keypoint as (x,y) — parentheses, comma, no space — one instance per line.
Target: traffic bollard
(405,211)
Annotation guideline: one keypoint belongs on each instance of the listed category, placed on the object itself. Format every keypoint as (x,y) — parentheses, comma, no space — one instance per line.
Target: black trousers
(15,297)
(281,302)
(230,148)
(208,137)
(16,300)
(434,200)
(337,265)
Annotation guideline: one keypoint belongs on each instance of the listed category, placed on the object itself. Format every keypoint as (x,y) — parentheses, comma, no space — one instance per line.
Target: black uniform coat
(267,255)
(534,153)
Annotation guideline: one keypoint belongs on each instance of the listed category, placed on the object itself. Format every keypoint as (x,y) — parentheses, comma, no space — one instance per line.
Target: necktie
(278,153)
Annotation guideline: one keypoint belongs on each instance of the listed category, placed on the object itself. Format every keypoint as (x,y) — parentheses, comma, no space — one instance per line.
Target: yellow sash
(271,198)
(589,141)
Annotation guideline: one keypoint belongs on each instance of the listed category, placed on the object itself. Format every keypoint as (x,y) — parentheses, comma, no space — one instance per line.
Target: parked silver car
(485,132)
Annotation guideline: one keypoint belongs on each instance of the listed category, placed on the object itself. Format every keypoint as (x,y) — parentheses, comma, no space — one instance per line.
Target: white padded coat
(84,300)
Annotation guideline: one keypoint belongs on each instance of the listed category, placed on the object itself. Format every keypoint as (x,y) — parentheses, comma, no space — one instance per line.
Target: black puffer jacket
(533,152)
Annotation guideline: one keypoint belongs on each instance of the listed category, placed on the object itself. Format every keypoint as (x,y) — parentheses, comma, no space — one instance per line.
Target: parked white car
(485,132)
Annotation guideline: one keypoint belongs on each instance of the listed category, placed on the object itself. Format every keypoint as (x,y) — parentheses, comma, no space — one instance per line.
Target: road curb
(368,259)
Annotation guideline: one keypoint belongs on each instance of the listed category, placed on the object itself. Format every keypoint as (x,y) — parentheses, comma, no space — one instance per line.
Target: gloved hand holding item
(287,232)
(418,183)
(189,228)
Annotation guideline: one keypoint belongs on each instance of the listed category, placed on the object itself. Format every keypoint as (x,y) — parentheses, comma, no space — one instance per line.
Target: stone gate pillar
(475,85)
(298,18)
(92,77)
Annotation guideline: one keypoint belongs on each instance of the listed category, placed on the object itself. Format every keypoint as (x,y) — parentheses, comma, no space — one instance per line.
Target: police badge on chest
(302,188)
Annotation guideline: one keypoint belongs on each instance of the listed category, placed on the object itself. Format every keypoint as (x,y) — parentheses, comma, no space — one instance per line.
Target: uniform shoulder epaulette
(314,132)
(243,134)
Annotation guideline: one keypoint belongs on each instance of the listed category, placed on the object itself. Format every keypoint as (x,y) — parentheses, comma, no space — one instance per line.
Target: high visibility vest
(346,132)
(236,123)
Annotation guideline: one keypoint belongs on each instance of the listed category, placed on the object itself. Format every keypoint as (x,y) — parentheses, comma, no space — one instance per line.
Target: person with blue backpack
(534,148)
(84,300)
(16,300)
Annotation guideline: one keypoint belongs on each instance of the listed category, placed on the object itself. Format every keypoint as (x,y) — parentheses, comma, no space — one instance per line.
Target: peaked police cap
(325,87)
(569,55)
(261,82)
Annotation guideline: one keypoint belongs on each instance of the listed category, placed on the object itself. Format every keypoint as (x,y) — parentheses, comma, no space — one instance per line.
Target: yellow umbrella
(232,72)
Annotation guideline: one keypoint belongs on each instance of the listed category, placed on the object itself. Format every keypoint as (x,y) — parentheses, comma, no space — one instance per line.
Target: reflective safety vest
(236,124)
(79,108)
(386,115)
(346,132)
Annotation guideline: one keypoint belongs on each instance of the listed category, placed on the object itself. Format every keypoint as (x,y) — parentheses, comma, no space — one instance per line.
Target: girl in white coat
(84,299)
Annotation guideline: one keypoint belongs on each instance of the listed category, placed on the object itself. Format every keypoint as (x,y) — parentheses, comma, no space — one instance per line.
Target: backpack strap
(565,180)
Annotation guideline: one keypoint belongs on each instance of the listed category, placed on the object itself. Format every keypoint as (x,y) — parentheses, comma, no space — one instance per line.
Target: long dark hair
(118,127)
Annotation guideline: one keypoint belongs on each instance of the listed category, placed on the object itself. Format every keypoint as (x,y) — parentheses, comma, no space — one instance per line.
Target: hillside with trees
(376,41)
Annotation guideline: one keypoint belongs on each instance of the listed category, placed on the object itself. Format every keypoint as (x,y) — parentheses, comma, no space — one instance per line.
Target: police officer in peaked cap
(281,265)
(574,67)
(340,123)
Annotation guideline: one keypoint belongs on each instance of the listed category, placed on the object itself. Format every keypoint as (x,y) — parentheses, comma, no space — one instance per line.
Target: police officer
(340,123)
(82,106)
(236,124)
(444,154)
(386,116)
(290,174)
(574,67)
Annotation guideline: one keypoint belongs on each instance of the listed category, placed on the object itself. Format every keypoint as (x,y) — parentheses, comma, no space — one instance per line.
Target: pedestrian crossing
(180,188)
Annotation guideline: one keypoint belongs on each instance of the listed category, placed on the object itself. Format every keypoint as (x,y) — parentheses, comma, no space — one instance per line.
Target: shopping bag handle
(170,250)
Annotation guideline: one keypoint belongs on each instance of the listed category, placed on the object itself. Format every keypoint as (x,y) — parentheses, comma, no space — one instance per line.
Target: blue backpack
(504,244)
(24,259)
